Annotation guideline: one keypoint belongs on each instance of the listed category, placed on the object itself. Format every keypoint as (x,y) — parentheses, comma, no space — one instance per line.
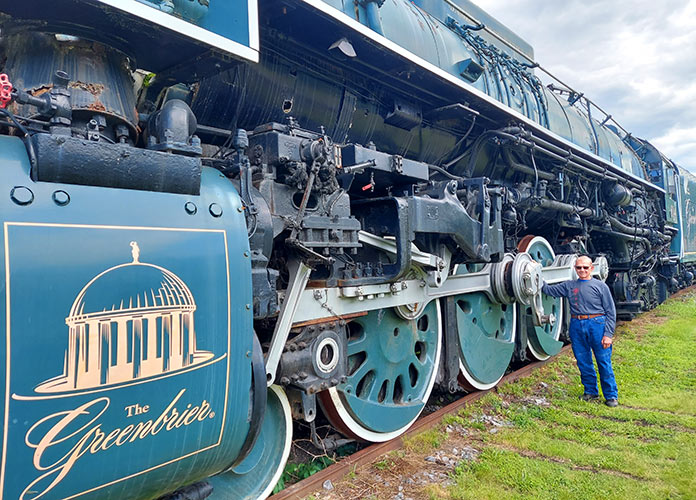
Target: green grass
(294,472)
(425,441)
(644,449)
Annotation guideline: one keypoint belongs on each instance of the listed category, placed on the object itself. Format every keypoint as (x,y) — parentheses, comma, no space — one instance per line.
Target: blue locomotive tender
(223,215)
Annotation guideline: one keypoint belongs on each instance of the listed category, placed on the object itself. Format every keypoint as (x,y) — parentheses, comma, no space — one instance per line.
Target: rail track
(338,470)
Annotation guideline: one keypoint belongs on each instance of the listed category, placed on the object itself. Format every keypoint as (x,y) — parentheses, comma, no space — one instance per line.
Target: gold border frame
(8,343)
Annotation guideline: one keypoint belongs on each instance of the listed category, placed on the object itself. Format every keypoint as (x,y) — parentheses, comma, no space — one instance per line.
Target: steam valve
(5,91)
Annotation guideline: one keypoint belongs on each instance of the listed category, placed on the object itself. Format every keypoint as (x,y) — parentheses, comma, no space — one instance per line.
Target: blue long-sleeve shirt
(587,297)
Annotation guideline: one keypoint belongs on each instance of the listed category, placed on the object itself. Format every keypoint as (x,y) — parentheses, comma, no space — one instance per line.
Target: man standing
(593,318)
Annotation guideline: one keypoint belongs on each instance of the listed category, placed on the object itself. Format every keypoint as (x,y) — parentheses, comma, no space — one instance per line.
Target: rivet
(248,306)
(240,209)
(190,208)
(21,195)
(61,198)
(215,210)
(246,254)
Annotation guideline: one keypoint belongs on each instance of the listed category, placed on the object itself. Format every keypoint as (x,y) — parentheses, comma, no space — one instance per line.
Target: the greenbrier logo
(118,338)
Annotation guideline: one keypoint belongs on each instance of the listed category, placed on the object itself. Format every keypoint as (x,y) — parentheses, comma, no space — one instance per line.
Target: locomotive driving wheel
(542,341)
(256,476)
(487,332)
(392,365)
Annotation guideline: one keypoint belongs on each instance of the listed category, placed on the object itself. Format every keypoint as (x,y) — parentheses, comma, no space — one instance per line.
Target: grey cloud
(634,58)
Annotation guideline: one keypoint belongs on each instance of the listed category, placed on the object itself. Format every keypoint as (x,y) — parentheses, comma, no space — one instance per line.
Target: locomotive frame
(391,184)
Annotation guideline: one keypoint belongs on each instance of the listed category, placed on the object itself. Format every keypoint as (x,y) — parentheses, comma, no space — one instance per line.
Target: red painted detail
(5,90)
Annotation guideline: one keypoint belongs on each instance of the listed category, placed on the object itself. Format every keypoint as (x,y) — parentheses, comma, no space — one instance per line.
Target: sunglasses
(582,267)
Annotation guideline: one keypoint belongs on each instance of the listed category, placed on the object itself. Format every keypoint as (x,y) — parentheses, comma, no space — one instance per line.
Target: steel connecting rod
(495,280)
(516,278)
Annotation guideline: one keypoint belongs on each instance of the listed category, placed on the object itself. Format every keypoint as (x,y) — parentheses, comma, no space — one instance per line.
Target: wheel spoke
(407,376)
(359,344)
(361,371)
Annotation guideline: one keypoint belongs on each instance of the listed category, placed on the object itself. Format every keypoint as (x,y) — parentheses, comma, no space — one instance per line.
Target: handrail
(534,64)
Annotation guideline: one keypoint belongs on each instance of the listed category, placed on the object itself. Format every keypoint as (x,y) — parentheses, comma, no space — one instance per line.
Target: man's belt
(585,316)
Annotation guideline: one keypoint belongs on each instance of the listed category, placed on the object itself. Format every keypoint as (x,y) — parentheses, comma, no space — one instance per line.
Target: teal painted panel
(688,215)
(128,337)
(221,20)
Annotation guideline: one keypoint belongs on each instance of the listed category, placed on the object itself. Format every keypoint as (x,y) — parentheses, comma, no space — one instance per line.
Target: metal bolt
(284,381)
(303,375)
(190,207)
(61,198)
(215,210)
(240,209)
(248,306)
(246,254)
(21,195)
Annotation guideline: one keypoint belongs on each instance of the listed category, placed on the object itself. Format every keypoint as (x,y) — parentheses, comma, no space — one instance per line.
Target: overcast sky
(635,58)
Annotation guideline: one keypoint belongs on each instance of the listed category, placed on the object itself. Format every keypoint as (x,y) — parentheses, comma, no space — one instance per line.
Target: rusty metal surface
(100,79)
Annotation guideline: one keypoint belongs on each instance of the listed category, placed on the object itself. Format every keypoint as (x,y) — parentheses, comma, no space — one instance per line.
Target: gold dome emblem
(133,321)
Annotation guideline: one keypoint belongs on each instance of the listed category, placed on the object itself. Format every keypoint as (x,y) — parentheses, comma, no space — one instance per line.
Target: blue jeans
(586,338)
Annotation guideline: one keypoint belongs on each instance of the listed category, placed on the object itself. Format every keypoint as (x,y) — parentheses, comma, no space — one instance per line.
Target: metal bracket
(398,164)
(389,245)
(299,276)
(451,346)
(309,406)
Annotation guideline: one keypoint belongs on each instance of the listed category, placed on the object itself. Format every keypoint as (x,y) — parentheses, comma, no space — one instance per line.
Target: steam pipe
(621,235)
(566,208)
(621,227)
(579,162)
(373,19)
(525,169)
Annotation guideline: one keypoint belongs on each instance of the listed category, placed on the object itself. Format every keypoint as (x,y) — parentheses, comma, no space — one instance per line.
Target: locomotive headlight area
(223,220)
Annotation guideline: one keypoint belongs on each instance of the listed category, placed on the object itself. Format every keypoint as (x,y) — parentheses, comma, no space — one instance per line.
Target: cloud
(636,59)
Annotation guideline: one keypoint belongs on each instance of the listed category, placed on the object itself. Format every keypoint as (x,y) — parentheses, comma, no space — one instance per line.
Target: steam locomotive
(221,216)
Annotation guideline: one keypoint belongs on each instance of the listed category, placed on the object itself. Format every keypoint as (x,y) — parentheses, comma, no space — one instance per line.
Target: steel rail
(335,472)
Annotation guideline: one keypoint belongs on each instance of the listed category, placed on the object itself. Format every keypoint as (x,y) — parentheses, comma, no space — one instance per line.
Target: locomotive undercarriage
(375,276)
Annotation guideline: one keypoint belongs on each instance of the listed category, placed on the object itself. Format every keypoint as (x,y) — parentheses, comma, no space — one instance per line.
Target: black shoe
(612,403)
(589,397)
